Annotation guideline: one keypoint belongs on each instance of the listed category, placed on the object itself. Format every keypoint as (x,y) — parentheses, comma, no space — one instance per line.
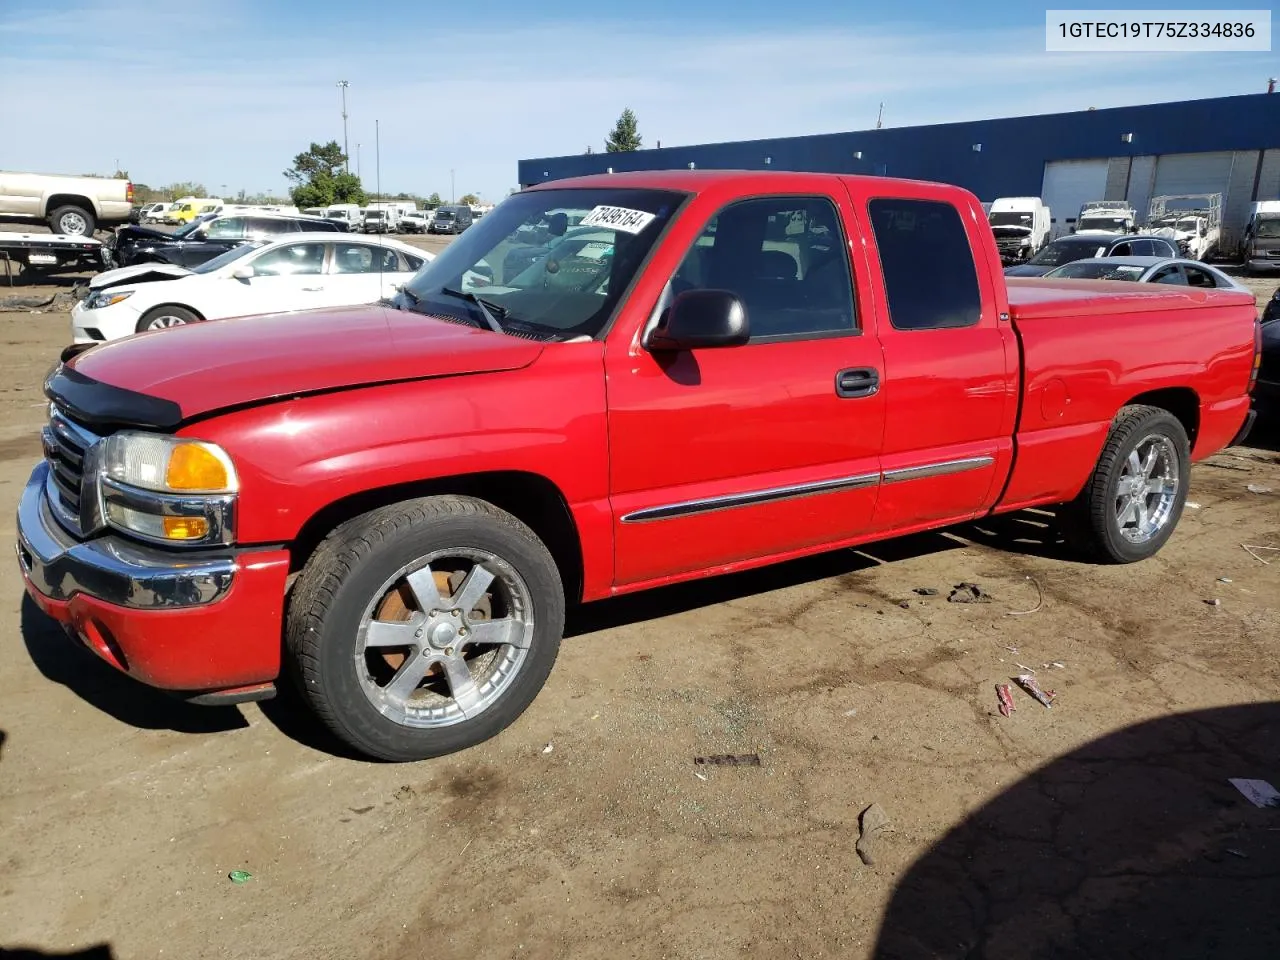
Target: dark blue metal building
(1001,157)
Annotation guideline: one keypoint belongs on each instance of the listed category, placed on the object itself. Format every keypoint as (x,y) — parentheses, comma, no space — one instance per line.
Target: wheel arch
(174,303)
(56,200)
(531,498)
(1182,402)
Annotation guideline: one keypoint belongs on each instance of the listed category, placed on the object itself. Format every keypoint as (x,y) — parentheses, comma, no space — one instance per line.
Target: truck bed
(1079,368)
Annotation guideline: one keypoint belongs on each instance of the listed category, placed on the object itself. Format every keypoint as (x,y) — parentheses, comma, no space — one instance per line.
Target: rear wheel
(72,221)
(425,627)
(161,318)
(1134,498)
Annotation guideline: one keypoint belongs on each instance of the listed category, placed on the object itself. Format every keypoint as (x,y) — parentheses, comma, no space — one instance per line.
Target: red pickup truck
(607,384)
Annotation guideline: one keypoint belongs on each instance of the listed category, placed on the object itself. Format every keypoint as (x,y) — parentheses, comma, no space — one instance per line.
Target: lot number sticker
(617,218)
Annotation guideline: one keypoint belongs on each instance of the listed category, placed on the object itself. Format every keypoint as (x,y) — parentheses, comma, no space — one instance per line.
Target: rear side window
(929,273)
(270,227)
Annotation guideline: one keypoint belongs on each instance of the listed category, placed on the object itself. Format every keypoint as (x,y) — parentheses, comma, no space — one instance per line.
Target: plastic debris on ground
(239,876)
(1031,686)
(1258,792)
(873,822)
(968,593)
(1257,488)
(1192,505)
(1005,696)
(729,760)
(548,748)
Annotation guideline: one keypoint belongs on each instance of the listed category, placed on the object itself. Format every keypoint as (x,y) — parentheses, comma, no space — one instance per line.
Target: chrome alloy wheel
(1147,489)
(444,638)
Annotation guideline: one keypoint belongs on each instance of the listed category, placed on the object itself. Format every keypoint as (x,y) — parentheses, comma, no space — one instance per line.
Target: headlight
(169,489)
(105,298)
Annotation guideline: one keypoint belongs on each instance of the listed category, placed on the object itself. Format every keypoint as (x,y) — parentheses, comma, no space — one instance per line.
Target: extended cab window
(920,239)
(785,259)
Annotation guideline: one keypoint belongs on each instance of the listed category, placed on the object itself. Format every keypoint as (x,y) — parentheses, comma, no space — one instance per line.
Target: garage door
(1192,173)
(1068,185)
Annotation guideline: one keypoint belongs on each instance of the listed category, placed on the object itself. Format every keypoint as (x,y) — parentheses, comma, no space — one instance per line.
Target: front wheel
(161,318)
(425,627)
(1134,498)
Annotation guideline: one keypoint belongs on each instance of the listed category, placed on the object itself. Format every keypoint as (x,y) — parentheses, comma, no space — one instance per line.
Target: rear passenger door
(736,454)
(950,361)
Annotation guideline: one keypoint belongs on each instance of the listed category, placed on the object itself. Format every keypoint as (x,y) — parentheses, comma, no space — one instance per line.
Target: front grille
(66,447)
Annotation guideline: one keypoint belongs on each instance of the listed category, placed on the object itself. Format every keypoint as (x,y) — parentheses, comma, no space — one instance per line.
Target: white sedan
(299,271)
(1183,273)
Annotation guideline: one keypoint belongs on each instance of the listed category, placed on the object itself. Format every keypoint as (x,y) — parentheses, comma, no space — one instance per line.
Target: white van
(1020,225)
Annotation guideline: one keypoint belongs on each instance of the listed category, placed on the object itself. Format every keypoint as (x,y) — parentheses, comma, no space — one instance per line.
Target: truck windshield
(1109,224)
(1270,228)
(1066,251)
(562,286)
(1010,219)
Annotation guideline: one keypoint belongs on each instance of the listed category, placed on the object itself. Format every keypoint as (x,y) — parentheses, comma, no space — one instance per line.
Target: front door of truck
(729,455)
(951,362)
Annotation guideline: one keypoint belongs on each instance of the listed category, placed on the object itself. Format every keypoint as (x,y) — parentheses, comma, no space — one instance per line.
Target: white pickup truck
(72,206)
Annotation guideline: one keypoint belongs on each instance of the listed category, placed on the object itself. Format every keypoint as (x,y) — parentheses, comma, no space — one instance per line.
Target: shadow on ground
(64,661)
(1132,846)
(100,952)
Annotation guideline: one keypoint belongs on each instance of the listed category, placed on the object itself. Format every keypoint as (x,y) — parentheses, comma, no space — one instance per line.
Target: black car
(451,219)
(1076,247)
(1272,310)
(206,237)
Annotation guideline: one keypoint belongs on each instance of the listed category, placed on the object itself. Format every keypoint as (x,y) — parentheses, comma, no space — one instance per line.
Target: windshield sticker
(618,218)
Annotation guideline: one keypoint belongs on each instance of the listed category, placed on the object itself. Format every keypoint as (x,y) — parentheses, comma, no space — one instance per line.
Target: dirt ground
(1100,825)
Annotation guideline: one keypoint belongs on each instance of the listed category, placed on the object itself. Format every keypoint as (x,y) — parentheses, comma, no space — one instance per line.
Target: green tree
(625,137)
(319,177)
(432,201)
(469,199)
(184,188)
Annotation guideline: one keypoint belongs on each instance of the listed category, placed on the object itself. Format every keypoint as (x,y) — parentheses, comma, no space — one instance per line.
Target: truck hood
(138,273)
(205,367)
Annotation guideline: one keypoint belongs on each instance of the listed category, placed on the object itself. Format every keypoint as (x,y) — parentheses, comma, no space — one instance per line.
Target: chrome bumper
(110,568)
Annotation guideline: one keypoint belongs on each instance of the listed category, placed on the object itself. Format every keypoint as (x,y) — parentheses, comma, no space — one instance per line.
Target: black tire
(1090,523)
(73,221)
(339,583)
(179,316)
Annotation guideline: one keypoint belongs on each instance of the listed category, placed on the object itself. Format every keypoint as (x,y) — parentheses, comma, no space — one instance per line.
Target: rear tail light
(128,192)
(1257,355)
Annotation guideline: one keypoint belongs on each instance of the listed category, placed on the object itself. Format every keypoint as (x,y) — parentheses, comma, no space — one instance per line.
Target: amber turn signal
(193,466)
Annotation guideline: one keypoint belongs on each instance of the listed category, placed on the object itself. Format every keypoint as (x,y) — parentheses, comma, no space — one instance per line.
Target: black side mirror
(557,224)
(701,318)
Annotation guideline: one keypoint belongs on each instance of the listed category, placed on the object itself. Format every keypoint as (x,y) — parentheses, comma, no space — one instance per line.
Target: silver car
(1183,273)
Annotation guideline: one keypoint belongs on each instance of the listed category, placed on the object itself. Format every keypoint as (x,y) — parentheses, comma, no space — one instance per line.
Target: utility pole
(342,85)
(357,161)
(880,117)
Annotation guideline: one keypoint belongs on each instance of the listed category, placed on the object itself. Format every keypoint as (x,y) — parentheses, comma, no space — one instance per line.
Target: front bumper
(108,323)
(177,620)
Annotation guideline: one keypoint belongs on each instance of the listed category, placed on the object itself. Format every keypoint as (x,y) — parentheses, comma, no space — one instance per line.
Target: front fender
(297,457)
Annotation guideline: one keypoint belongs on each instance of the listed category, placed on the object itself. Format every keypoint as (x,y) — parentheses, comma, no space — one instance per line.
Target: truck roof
(698,181)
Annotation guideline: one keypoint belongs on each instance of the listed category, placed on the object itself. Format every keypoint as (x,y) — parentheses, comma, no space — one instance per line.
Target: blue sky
(227,92)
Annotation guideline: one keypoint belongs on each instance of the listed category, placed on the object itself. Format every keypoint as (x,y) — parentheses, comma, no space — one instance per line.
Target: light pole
(357,161)
(342,85)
